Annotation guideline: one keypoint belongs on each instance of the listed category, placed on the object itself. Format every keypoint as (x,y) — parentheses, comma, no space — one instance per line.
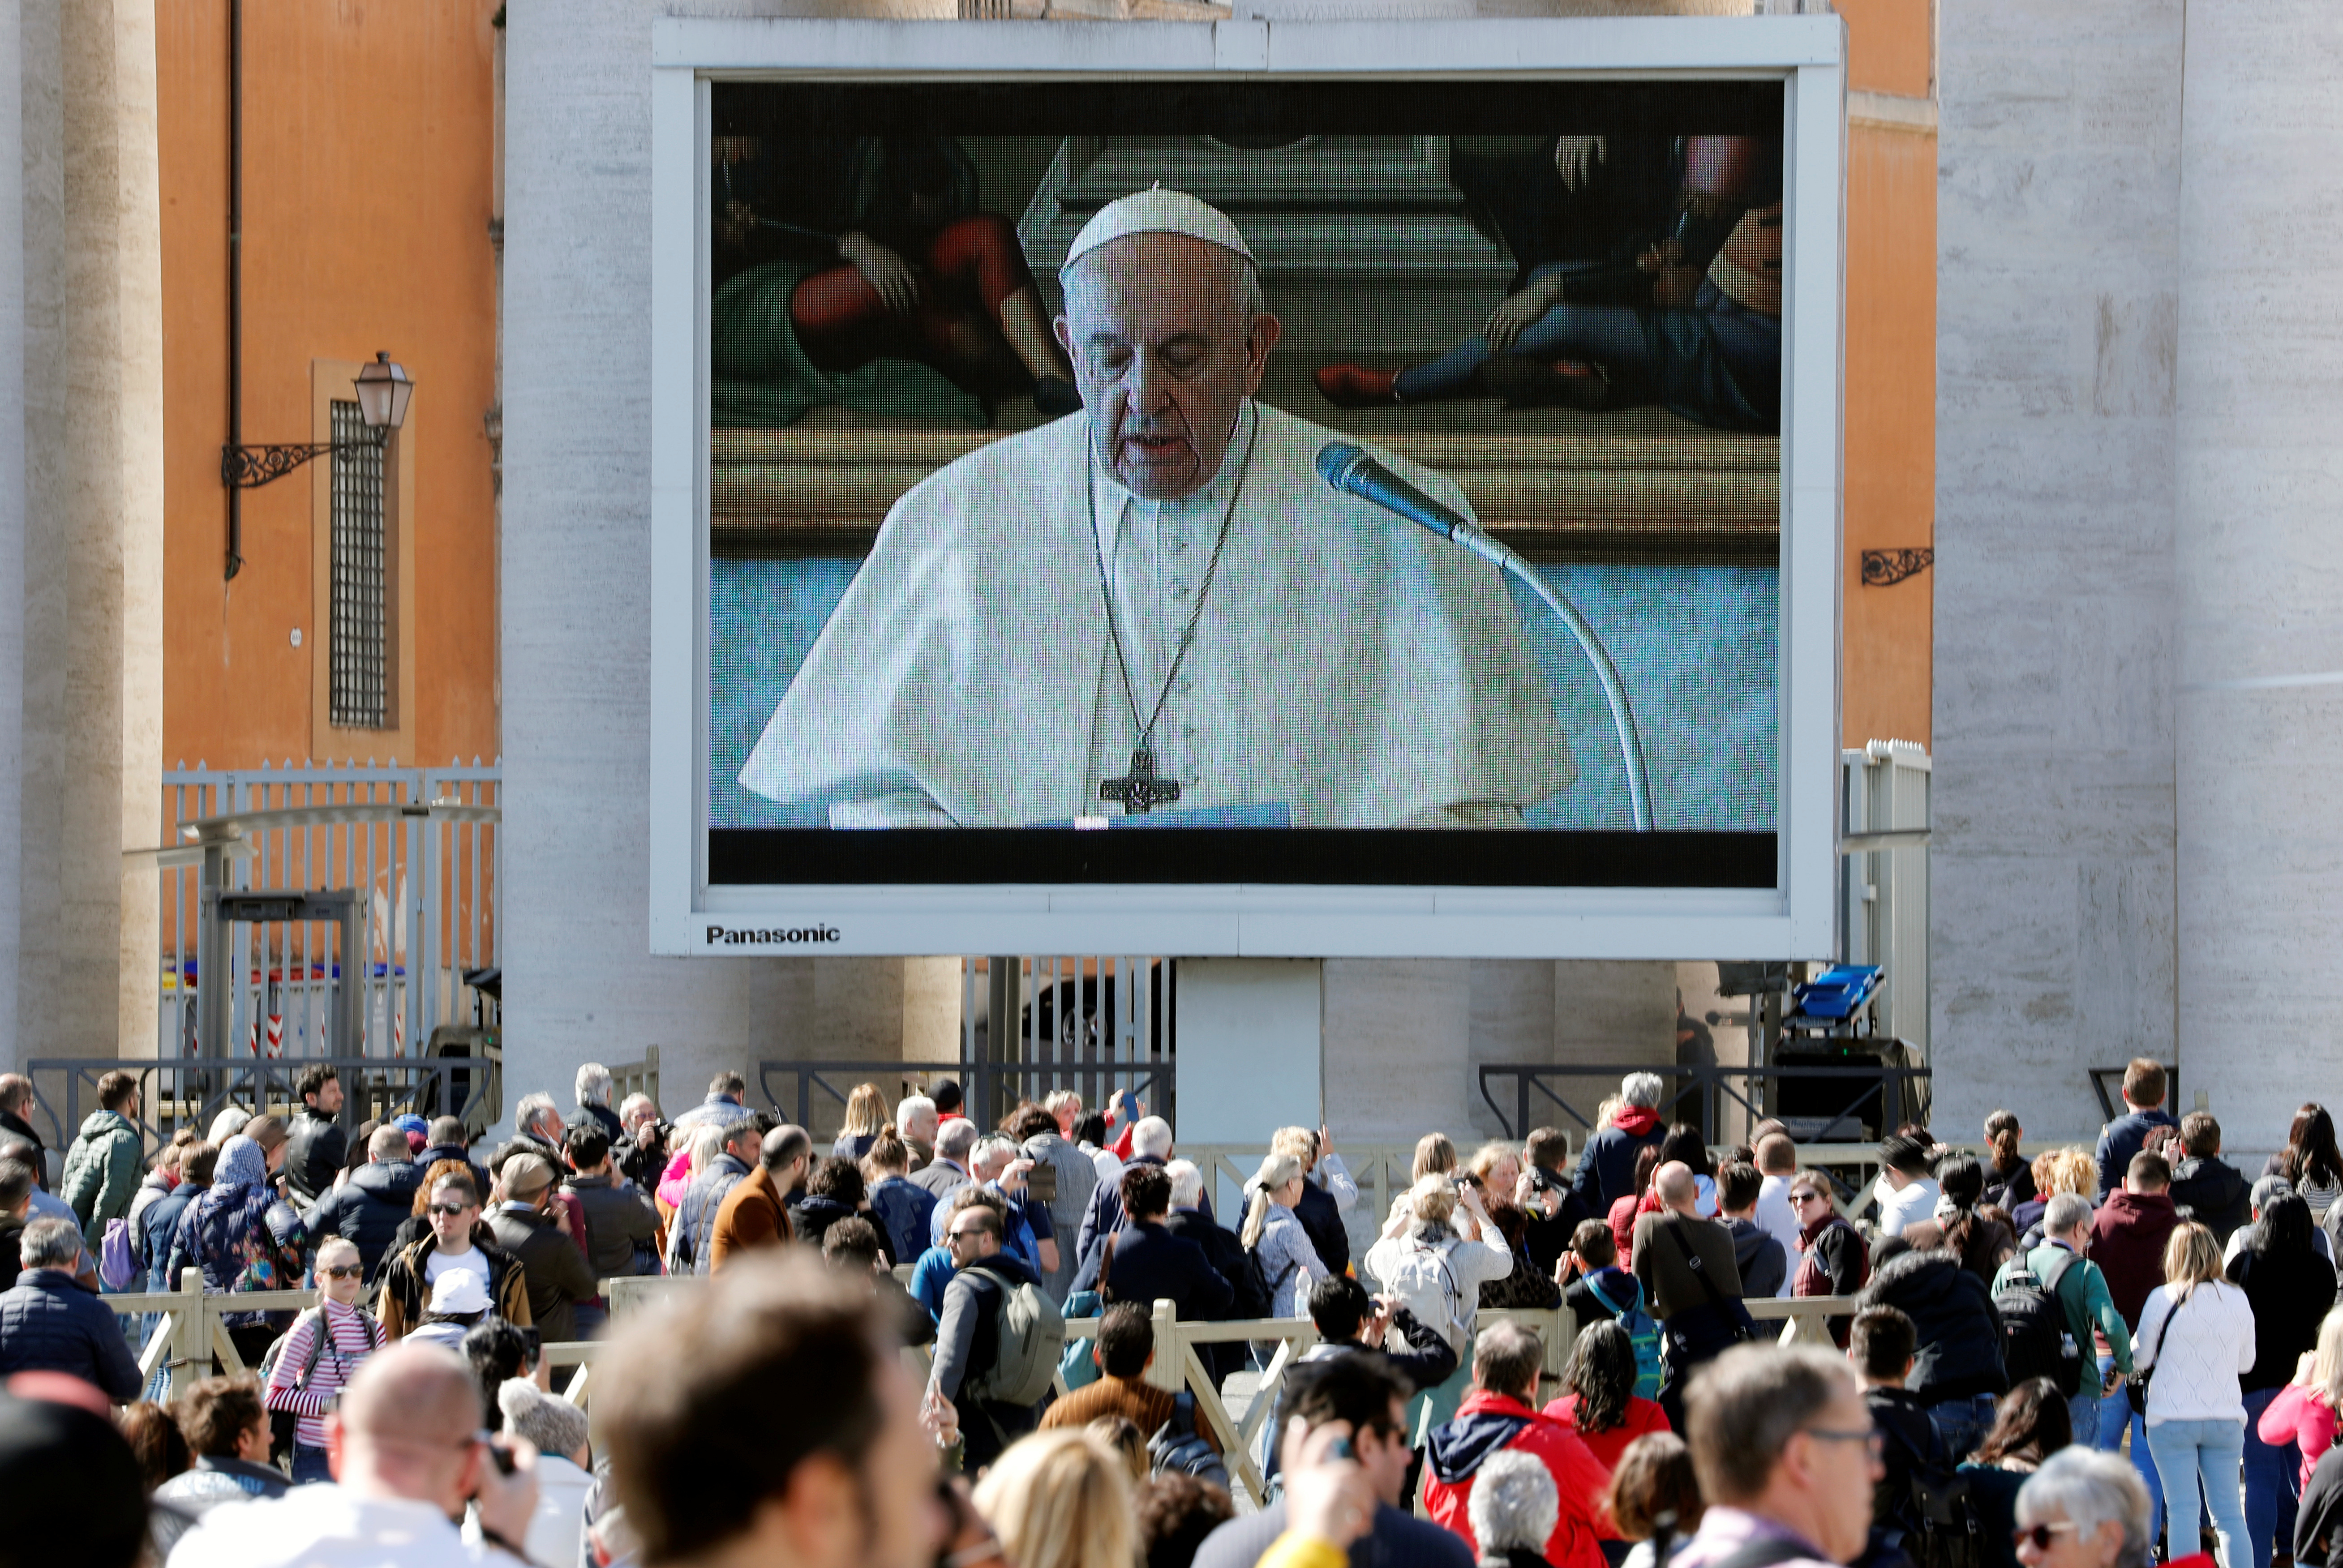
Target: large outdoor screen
(1195,499)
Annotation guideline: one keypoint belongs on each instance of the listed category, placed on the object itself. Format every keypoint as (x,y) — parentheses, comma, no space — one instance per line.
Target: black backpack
(1936,1524)
(2036,1338)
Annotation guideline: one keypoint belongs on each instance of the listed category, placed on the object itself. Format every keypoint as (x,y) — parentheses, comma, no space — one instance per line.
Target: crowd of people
(2090,1358)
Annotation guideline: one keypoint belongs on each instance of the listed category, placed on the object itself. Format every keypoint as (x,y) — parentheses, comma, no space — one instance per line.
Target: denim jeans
(2114,1412)
(1961,1423)
(2273,1483)
(2083,1413)
(309,1465)
(2212,1452)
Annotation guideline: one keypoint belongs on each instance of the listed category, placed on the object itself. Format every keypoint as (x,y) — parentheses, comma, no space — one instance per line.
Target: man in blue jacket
(2142,1097)
(160,1219)
(50,1323)
(1606,1169)
(368,1209)
(1144,1262)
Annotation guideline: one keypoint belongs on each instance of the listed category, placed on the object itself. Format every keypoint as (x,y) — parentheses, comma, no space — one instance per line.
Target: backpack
(2036,1339)
(1938,1521)
(117,1264)
(1642,1333)
(1422,1280)
(281,1422)
(1178,1446)
(1033,1336)
(1075,1367)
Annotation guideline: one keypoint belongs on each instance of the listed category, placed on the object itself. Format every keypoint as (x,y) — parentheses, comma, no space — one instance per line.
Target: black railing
(1834,1102)
(813,1094)
(173,1094)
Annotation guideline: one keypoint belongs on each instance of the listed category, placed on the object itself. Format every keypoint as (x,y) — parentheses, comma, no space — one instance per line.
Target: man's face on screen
(1165,352)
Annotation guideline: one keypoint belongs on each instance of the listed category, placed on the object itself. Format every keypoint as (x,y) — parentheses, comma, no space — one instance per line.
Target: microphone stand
(1347,468)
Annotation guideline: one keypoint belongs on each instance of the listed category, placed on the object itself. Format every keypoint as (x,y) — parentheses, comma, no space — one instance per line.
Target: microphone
(1349,469)
(1346,467)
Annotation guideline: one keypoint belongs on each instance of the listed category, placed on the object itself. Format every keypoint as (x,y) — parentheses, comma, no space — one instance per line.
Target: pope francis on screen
(1155,607)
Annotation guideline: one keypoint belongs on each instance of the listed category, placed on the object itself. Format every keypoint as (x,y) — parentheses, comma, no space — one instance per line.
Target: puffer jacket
(245,1238)
(101,1173)
(1959,1350)
(49,1324)
(1488,1424)
(2213,1193)
(904,1210)
(368,1209)
(159,1225)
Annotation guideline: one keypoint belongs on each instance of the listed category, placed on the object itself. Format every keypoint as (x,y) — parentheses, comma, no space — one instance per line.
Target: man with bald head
(1157,606)
(407,1451)
(1691,1280)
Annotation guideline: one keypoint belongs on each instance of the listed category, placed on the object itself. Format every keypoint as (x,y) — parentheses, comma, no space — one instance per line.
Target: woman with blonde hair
(1435,1261)
(865,1112)
(2195,1342)
(1060,1499)
(1436,1155)
(1274,1235)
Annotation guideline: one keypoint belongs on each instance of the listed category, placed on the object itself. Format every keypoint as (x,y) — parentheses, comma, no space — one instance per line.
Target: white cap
(459,1290)
(1158,211)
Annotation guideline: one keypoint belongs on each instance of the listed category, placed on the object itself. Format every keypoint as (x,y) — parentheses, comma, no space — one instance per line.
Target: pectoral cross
(1140,790)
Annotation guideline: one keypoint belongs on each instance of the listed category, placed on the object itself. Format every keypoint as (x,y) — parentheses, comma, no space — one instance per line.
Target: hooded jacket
(101,1173)
(2214,1193)
(1959,1339)
(813,1214)
(367,1209)
(241,1234)
(2128,1236)
(1606,1169)
(1759,1255)
(1490,1423)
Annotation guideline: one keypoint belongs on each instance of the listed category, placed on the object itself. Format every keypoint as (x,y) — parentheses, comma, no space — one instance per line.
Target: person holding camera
(408,1454)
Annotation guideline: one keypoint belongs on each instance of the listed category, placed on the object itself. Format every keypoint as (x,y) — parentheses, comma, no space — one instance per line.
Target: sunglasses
(1802,1199)
(346,1271)
(2040,1534)
(970,1234)
(450,1210)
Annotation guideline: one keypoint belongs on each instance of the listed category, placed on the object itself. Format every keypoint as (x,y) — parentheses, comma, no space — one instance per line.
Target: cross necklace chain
(1139,791)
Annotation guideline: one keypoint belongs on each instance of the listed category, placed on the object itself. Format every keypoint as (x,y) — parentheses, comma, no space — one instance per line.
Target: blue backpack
(1641,1333)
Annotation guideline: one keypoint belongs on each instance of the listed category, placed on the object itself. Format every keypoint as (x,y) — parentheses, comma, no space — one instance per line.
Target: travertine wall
(2139,639)
(81,511)
(2258,704)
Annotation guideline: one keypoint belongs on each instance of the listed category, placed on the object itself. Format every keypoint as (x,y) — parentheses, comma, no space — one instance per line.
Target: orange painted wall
(1891,375)
(368,142)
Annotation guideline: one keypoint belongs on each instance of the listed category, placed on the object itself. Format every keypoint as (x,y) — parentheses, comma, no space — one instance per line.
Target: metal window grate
(360,633)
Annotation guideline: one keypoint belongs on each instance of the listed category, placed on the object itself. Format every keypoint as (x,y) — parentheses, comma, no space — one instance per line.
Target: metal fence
(179,1093)
(1818,1102)
(430,890)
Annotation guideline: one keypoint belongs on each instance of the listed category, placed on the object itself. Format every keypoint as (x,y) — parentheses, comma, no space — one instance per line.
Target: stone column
(2259,701)
(81,525)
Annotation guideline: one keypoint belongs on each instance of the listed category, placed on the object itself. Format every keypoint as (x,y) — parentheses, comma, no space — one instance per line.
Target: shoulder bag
(2135,1385)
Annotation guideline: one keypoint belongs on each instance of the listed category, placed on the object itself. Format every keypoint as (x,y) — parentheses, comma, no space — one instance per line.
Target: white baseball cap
(459,1290)
(1158,211)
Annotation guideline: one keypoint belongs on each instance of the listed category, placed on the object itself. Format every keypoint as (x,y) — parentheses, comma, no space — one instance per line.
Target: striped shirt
(353,1337)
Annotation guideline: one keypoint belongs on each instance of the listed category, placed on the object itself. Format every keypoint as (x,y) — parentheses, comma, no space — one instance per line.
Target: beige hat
(527,1175)
(1158,211)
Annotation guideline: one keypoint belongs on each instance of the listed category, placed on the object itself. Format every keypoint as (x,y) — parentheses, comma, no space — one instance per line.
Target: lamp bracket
(249,468)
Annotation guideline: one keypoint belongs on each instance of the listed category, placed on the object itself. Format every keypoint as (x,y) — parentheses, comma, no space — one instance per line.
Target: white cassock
(1351,669)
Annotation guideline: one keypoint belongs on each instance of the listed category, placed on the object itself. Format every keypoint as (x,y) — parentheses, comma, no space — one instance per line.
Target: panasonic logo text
(793,936)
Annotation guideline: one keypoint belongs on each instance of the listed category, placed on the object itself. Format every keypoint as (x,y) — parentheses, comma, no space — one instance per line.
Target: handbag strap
(1106,1270)
(2161,1330)
(1691,1262)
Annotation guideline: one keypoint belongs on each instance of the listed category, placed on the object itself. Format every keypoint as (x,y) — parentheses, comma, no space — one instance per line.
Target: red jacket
(2128,1236)
(1488,1423)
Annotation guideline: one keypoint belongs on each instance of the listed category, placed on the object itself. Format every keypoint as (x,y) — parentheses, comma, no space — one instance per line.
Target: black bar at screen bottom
(1338,857)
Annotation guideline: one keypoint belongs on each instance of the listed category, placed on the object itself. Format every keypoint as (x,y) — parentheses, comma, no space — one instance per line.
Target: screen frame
(1795,919)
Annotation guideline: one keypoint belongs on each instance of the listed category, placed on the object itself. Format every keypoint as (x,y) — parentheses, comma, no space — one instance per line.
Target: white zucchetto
(1158,211)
